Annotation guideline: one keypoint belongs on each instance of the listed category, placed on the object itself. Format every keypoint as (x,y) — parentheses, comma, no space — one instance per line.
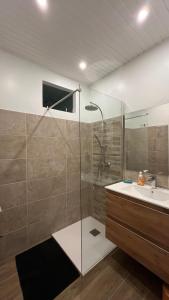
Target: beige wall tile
(13,219)
(12,147)
(99,203)
(12,123)
(86,201)
(48,208)
(15,242)
(38,232)
(44,188)
(52,168)
(58,221)
(12,170)
(43,126)
(73,181)
(73,146)
(46,148)
(45,168)
(73,163)
(38,210)
(13,194)
(73,129)
(50,220)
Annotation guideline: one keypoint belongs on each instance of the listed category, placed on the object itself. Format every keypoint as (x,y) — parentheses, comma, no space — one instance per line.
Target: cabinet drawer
(144,251)
(153,224)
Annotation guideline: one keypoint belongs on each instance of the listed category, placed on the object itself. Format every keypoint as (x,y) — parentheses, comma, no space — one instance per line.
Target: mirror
(146,142)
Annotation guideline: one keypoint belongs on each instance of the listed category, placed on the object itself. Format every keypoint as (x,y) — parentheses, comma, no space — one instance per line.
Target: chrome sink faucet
(151,178)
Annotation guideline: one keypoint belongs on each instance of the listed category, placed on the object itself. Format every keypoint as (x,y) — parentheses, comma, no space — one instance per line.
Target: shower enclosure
(95,159)
(101,138)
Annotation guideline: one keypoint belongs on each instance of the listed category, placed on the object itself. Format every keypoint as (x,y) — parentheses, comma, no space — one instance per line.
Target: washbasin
(158,196)
(148,192)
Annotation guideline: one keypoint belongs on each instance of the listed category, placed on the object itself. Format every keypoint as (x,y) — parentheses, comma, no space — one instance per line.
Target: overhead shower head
(91,107)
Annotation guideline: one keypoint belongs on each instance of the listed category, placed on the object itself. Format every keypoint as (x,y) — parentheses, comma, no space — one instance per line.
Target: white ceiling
(102,32)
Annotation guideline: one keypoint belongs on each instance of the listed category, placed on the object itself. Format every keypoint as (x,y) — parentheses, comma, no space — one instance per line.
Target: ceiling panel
(102,32)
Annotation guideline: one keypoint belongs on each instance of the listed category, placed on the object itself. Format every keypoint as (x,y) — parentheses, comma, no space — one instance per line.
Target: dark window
(52,94)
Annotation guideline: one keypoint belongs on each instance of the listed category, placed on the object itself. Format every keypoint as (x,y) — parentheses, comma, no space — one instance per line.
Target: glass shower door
(101,135)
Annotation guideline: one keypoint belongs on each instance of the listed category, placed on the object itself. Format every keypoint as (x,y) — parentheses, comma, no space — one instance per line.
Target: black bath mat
(45,271)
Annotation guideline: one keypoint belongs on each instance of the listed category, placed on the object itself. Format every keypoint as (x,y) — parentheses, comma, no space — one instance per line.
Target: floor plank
(116,277)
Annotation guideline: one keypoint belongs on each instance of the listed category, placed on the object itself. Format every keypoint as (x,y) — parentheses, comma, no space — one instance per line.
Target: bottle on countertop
(141,179)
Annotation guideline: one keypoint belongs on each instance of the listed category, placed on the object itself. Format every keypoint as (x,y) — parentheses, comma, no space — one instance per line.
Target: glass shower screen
(101,139)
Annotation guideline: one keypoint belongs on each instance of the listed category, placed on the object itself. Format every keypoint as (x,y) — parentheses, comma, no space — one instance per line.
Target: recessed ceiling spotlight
(143,14)
(82,65)
(43,4)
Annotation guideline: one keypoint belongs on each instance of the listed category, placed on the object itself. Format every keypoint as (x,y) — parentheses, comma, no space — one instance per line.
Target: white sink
(149,192)
(158,196)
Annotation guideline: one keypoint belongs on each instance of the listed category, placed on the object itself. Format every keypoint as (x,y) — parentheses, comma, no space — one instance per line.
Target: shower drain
(95,232)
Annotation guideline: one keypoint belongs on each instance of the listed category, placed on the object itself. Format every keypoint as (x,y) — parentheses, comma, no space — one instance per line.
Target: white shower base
(85,253)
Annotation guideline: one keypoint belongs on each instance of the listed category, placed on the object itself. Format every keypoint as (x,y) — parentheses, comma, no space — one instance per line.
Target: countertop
(158,196)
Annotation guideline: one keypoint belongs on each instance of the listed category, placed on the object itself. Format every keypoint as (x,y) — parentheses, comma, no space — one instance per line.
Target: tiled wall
(113,143)
(39,179)
(86,135)
(40,187)
(147,148)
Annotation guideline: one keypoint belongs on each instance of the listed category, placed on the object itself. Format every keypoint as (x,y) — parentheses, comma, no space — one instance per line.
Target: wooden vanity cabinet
(141,230)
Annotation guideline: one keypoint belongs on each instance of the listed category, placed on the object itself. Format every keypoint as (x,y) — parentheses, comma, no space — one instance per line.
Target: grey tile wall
(39,179)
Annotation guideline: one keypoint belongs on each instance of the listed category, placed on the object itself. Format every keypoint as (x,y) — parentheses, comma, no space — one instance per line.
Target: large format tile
(73,163)
(44,188)
(38,210)
(12,123)
(73,129)
(38,232)
(58,220)
(73,138)
(46,148)
(13,219)
(73,145)
(47,218)
(13,194)
(86,130)
(86,145)
(12,170)
(46,208)
(12,147)
(73,208)
(73,181)
(15,242)
(86,201)
(45,168)
(43,126)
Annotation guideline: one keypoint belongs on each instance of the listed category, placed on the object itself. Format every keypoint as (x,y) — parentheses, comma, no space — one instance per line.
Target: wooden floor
(117,277)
